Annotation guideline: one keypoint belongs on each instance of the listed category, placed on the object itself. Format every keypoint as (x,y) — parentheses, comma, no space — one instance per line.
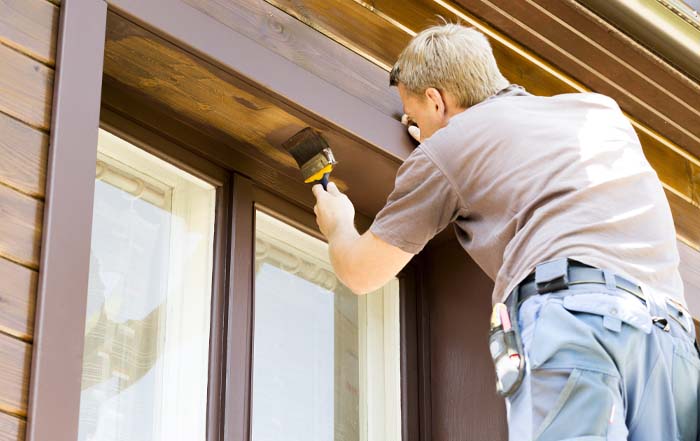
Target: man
(555,201)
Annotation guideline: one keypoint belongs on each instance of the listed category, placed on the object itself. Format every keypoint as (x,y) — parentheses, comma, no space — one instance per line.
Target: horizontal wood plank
(27,87)
(20,227)
(30,26)
(17,299)
(685,217)
(23,156)
(12,428)
(299,43)
(351,25)
(15,365)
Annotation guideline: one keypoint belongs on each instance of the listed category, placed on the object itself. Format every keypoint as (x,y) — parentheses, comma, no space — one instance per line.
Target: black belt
(564,273)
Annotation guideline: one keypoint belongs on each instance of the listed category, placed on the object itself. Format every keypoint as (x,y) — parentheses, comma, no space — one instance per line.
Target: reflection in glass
(325,361)
(145,362)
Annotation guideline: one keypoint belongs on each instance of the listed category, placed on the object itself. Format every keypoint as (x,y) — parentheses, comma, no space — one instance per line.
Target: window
(146,352)
(325,361)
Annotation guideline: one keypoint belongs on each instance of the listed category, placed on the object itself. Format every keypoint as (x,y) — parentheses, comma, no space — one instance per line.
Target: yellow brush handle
(318,175)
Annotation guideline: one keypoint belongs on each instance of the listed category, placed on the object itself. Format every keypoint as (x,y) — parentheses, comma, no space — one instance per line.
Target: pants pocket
(583,408)
(685,380)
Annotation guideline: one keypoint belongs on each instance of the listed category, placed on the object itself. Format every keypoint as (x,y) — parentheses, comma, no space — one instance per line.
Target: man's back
(546,177)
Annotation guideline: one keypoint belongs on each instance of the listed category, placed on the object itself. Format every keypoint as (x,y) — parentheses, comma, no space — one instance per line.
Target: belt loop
(610,282)
(552,275)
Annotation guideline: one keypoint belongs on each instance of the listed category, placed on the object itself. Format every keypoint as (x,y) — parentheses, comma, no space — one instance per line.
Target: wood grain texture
(686,217)
(248,119)
(15,363)
(26,88)
(20,227)
(690,272)
(12,428)
(23,156)
(299,43)
(30,26)
(17,298)
(351,25)
(377,31)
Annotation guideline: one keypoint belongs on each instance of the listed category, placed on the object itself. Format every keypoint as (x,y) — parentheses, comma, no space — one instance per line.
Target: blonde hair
(451,58)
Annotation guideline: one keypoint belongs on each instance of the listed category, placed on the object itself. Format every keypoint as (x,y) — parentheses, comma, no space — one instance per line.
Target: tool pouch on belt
(506,348)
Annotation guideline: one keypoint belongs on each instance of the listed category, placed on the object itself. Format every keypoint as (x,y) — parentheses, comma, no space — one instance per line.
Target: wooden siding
(30,26)
(28,34)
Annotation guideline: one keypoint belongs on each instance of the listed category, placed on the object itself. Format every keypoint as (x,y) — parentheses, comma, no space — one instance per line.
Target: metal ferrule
(317,163)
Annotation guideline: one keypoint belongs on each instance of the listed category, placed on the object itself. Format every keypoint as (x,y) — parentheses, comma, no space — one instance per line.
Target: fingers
(414,131)
(333,189)
(318,191)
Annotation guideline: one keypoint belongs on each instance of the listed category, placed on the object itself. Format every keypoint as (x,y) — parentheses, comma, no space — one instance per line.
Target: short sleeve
(421,205)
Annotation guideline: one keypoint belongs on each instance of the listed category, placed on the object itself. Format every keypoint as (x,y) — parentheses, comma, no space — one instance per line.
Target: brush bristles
(306,144)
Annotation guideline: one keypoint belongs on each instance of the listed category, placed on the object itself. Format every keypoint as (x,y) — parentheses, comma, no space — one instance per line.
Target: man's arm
(362,262)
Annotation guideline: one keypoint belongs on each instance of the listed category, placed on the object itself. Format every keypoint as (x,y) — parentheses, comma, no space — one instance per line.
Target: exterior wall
(463,400)
(28,32)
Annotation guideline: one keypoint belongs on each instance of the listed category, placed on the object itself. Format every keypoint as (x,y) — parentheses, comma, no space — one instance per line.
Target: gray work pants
(598,369)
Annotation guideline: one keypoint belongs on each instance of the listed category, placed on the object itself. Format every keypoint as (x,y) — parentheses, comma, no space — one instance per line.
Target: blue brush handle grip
(324,181)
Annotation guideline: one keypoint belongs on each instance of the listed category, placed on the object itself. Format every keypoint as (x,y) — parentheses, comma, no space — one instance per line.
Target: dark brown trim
(54,395)
(265,70)
(423,351)
(217,332)
(239,327)
(410,367)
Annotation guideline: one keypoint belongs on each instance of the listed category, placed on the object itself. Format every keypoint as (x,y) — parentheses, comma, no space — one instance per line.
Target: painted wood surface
(30,26)
(23,152)
(464,403)
(287,36)
(20,227)
(17,292)
(28,31)
(15,359)
(686,218)
(12,428)
(27,86)
(251,121)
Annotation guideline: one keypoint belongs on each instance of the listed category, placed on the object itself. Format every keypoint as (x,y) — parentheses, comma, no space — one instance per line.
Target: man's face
(427,110)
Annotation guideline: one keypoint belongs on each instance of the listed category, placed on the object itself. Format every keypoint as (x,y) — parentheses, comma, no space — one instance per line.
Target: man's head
(443,71)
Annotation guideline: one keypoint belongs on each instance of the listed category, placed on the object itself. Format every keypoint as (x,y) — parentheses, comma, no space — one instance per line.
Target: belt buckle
(552,276)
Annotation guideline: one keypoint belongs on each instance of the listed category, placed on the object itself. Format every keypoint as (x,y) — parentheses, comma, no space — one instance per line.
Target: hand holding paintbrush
(334,210)
(313,155)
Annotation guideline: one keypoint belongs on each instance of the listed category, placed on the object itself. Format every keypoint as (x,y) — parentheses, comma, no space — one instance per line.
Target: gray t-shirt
(526,179)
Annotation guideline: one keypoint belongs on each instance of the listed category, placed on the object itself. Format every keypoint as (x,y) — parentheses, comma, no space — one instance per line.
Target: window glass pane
(325,361)
(145,363)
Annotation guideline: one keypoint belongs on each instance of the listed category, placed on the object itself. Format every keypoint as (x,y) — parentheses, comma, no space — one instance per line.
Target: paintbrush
(313,155)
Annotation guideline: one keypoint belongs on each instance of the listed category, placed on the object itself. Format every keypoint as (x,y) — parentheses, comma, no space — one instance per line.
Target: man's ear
(435,98)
